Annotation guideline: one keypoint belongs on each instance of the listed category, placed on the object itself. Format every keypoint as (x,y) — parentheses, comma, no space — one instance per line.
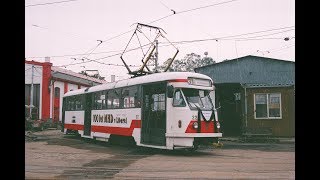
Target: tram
(169,110)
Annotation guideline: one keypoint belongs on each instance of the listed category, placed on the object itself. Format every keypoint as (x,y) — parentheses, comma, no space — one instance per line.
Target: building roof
(65,74)
(245,57)
(251,70)
(65,71)
(268,85)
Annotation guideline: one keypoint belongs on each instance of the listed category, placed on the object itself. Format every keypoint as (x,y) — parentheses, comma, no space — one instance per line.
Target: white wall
(37,79)
(37,74)
(72,86)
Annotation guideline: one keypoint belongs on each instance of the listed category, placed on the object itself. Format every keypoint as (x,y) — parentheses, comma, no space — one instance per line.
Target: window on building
(36,94)
(36,99)
(267,106)
(57,92)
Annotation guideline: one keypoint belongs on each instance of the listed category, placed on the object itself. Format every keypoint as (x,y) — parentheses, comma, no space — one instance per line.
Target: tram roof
(157,77)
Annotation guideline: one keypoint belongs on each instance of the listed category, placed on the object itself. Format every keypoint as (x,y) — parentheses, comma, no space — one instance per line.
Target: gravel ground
(51,155)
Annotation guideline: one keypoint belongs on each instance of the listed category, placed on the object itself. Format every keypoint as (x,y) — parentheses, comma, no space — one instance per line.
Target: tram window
(130,97)
(95,101)
(103,97)
(78,102)
(72,105)
(65,103)
(115,103)
(158,102)
(146,99)
(128,102)
(69,104)
(110,98)
(178,100)
(198,98)
(114,98)
(99,100)
(109,103)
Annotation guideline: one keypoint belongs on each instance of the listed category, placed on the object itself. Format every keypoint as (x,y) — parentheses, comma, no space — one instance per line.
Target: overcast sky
(226,29)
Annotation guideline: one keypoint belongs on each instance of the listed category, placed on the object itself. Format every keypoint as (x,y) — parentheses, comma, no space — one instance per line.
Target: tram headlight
(195,125)
(218,125)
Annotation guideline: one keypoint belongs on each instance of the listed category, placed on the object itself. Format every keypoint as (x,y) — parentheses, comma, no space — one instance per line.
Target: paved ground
(55,156)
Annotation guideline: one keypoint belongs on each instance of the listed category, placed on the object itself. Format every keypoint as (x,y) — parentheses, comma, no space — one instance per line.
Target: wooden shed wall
(284,127)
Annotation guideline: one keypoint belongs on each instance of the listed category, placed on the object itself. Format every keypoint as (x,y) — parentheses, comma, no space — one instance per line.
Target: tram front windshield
(198,98)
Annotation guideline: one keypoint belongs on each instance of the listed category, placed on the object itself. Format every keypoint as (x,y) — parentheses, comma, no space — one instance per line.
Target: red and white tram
(168,110)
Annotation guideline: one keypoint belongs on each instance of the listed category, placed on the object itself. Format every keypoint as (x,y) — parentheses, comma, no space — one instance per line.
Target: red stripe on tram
(179,80)
(206,127)
(117,130)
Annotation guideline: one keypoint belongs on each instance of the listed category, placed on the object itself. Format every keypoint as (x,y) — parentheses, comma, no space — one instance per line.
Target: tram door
(87,114)
(153,127)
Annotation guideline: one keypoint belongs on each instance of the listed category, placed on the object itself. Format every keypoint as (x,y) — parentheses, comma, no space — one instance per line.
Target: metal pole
(31,93)
(156,57)
(245,105)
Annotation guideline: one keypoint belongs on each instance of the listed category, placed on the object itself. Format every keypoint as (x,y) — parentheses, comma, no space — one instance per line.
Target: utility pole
(156,56)
(31,92)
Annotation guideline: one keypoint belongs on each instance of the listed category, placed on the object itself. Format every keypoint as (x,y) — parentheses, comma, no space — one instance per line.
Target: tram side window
(99,100)
(178,100)
(66,103)
(72,104)
(130,97)
(103,97)
(109,100)
(114,98)
(78,103)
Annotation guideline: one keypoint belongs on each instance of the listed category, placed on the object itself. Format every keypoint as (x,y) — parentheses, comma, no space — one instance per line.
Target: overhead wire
(163,18)
(74,35)
(27,69)
(57,2)
(96,60)
(198,9)
(218,38)
(87,54)
(270,51)
(188,41)
(277,50)
(179,42)
(180,12)
(272,33)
